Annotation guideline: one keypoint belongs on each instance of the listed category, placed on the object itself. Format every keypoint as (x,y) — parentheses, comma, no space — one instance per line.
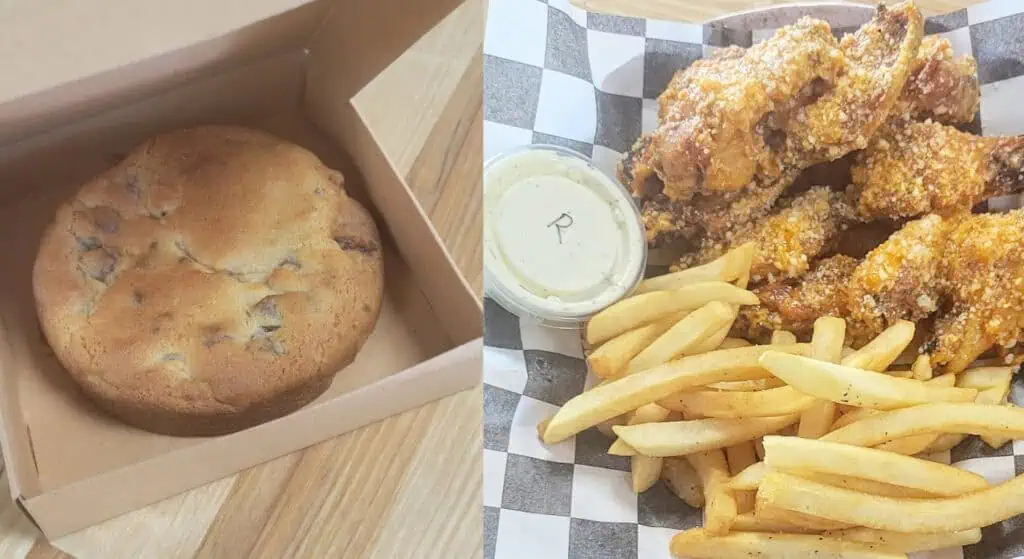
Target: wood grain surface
(408,486)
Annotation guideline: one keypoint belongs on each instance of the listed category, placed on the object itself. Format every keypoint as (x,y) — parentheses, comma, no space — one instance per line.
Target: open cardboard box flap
(77,94)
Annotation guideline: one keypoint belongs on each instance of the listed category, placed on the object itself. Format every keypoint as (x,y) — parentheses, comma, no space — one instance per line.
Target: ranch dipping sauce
(562,240)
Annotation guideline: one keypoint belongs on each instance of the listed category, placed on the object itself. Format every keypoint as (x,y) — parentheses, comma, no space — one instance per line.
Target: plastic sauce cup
(562,239)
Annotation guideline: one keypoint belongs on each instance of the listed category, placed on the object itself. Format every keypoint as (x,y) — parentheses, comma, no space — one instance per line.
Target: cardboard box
(86,81)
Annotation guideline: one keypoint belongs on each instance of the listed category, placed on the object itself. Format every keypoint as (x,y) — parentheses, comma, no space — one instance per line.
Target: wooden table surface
(407,486)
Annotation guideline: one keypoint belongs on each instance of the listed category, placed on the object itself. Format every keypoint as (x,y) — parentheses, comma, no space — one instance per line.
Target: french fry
(783,337)
(909,446)
(750,478)
(866,485)
(622,395)
(944,442)
(682,480)
(909,543)
(826,345)
(645,308)
(543,426)
(730,343)
(797,455)
(753,522)
(740,456)
(646,470)
(771,512)
(609,360)
(715,340)
(765,403)
(880,352)
(984,378)
(922,368)
(719,503)
(681,337)
(923,516)
(700,544)
(649,413)
(686,437)
(731,266)
(748,385)
(975,419)
(862,388)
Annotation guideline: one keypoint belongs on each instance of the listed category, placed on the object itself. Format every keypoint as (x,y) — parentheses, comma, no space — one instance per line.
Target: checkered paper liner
(556,74)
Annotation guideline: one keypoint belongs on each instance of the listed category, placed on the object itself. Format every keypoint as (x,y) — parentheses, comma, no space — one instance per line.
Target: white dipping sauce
(562,240)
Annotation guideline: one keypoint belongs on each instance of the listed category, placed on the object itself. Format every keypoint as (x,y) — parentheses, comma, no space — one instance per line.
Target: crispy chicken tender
(880,55)
(709,139)
(982,272)
(803,228)
(941,87)
(795,305)
(914,168)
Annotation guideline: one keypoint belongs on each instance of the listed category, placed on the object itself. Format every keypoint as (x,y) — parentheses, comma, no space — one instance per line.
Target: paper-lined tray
(556,74)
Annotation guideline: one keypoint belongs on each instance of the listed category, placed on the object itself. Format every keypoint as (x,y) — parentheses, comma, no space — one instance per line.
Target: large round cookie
(216,278)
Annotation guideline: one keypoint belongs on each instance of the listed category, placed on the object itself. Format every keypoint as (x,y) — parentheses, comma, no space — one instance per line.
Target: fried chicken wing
(795,305)
(914,168)
(803,228)
(982,271)
(879,57)
(966,272)
(941,87)
(708,138)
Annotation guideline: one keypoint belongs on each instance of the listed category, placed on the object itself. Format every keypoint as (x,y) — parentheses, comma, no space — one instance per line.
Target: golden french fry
(765,403)
(944,442)
(946,514)
(922,368)
(826,345)
(715,340)
(973,419)
(862,388)
(646,471)
(866,485)
(610,359)
(719,503)
(880,352)
(699,544)
(645,308)
(648,413)
(622,395)
(685,437)
(909,543)
(731,266)
(543,426)
(753,522)
(680,338)
(796,455)
(984,378)
(749,479)
(914,444)
(996,441)
(770,512)
(682,480)
(900,373)
(748,385)
(783,337)
(740,456)
(730,343)
(854,415)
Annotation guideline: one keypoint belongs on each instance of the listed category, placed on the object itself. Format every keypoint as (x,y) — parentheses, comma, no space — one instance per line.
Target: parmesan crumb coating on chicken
(914,168)
(788,241)
(941,87)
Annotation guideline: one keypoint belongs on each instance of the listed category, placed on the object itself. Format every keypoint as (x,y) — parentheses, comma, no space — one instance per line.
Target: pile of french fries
(792,449)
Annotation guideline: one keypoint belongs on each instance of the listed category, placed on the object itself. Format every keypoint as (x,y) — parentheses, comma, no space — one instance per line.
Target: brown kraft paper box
(85,83)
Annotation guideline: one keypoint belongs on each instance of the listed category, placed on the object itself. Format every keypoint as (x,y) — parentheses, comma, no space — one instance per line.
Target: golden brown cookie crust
(216,278)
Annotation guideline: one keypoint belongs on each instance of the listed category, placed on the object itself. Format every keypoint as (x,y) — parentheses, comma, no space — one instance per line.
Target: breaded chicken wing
(800,230)
(795,305)
(708,138)
(941,87)
(913,168)
(982,271)
(879,57)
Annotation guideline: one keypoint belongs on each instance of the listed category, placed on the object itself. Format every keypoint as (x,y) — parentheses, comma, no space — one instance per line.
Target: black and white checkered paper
(559,75)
